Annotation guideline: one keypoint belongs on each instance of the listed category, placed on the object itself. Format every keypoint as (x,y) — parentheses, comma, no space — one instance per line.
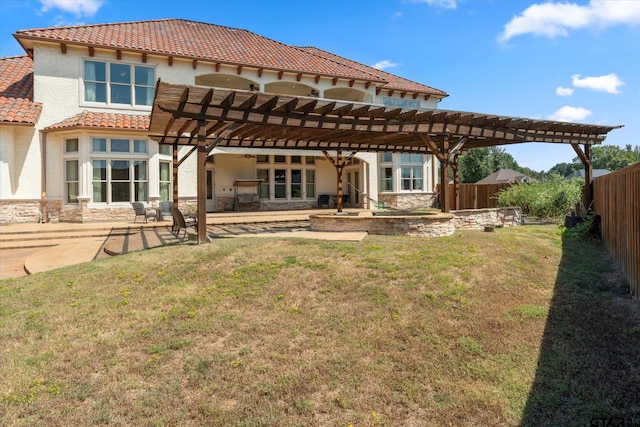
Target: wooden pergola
(205,118)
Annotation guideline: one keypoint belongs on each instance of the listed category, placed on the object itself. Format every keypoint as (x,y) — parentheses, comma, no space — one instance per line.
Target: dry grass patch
(250,332)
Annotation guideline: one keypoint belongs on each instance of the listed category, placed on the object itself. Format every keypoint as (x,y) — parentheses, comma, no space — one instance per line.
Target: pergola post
(174,165)
(444,175)
(339,181)
(456,182)
(202,182)
(588,177)
(339,163)
(585,157)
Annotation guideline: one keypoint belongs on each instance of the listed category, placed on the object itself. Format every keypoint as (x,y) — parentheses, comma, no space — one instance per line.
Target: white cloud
(443,4)
(385,64)
(557,19)
(564,91)
(608,83)
(570,114)
(77,7)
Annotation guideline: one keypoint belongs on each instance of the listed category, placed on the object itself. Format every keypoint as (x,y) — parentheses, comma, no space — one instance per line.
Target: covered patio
(205,118)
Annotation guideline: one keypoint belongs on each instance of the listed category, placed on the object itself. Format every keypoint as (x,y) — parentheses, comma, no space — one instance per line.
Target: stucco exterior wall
(6,161)
(19,163)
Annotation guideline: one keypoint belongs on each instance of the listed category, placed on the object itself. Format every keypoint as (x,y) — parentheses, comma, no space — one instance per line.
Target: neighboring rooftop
(16,91)
(202,41)
(505,176)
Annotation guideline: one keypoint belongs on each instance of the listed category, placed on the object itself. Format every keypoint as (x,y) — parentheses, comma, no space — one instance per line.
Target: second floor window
(118,83)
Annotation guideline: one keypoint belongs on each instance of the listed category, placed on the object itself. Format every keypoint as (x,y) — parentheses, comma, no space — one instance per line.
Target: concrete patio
(29,248)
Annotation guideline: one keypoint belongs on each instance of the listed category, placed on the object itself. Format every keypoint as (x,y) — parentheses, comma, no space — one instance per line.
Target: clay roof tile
(16,91)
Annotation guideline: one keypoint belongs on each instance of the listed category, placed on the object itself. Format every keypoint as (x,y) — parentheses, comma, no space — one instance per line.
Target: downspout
(43,179)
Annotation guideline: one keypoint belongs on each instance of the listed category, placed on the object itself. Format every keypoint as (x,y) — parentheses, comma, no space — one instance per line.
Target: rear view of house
(74,122)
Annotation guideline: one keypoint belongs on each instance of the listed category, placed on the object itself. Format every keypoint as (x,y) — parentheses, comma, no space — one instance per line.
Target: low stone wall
(434,225)
(477,219)
(428,225)
(406,200)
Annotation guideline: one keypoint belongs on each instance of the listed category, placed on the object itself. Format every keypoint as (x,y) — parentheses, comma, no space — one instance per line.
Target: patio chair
(179,222)
(140,210)
(164,210)
(323,200)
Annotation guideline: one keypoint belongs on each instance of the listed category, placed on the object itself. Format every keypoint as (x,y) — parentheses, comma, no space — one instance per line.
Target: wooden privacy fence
(474,196)
(616,198)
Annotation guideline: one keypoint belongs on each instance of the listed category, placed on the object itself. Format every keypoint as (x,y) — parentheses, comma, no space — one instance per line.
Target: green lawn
(518,326)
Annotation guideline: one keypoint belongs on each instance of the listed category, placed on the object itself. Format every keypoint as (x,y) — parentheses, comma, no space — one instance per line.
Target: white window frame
(109,156)
(397,164)
(71,156)
(411,164)
(108,83)
(303,166)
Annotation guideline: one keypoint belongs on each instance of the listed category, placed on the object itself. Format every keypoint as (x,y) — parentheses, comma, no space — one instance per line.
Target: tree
(612,157)
(564,169)
(482,162)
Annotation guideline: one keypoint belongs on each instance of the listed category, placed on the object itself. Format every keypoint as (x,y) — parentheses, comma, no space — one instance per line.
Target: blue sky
(573,61)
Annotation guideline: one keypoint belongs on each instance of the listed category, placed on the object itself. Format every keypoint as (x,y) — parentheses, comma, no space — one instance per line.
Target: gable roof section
(195,40)
(393,82)
(505,176)
(16,91)
(91,120)
(215,43)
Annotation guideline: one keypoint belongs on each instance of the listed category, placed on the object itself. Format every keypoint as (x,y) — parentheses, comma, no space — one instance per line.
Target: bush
(547,199)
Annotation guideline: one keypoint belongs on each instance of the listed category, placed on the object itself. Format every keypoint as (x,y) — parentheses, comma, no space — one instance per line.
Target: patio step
(47,238)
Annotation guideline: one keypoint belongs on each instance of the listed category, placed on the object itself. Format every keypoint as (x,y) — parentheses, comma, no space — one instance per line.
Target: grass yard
(515,327)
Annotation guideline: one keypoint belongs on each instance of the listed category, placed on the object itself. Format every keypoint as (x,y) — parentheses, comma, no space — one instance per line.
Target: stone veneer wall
(406,200)
(82,213)
(435,225)
(14,211)
(477,219)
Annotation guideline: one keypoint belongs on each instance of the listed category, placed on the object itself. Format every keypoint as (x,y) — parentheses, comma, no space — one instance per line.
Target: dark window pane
(95,92)
(99,170)
(140,170)
(145,76)
(99,192)
(144,95)
(120,192)
(72,192)
(141,191)
(119,145)
(120,94)
(120,170)
(98,145)
(120,73)
(95,71)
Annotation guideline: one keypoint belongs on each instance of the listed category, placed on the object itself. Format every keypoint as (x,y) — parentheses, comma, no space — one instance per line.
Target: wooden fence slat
(617,201)
(474,196)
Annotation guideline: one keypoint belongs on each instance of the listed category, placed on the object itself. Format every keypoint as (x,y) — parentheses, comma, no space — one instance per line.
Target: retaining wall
(430,225)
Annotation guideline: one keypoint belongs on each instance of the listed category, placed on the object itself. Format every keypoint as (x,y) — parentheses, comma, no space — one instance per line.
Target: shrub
(546,199)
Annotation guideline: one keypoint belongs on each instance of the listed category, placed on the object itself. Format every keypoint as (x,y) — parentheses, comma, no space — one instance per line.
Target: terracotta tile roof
(393,82)
(88,119)
(197,40)
(16,91)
